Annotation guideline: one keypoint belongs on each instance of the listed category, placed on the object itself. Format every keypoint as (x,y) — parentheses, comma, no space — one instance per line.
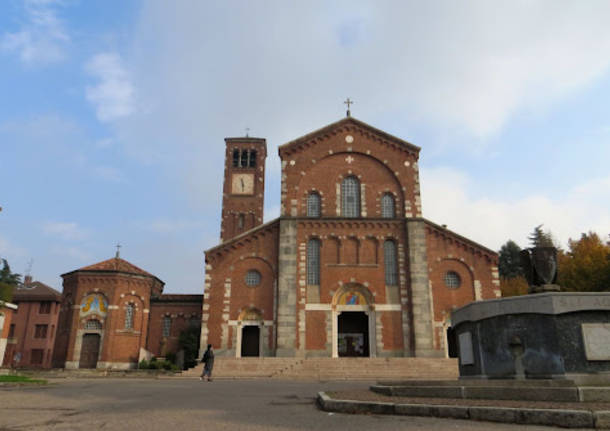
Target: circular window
(452,280)
(253,278)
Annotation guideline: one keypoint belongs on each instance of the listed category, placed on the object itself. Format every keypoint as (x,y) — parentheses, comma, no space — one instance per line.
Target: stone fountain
(547,334)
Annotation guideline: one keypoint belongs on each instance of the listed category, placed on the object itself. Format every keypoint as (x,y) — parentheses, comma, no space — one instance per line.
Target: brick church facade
(350,268)
(114,314)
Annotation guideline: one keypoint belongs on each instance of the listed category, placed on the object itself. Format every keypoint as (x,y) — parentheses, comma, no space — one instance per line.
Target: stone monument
(547,334)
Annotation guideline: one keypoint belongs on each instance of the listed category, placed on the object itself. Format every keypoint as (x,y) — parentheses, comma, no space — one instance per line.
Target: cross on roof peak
(118,250)
(348,102)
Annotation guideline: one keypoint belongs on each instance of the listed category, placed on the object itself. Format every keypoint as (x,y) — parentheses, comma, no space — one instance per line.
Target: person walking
(208,360)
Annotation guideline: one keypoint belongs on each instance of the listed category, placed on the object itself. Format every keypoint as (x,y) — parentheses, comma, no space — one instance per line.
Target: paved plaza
(185,404)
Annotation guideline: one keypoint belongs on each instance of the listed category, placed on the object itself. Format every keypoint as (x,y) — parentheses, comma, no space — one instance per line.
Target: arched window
(313,262)
(240,221)
(129,316)
(387,206)
(167,326)
(313,205)
(452,280)
(350,197)
(253,278)
(391,267)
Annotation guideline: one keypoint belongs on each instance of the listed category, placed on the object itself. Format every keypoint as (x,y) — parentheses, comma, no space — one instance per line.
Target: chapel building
(114,314)
(350,268)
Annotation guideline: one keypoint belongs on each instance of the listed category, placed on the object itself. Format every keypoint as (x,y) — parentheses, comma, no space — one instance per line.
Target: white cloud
(42,38)
(113,95)
(67,231)
(447,198)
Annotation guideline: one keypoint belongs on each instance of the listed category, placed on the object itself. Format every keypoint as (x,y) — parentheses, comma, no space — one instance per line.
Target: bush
(155,364)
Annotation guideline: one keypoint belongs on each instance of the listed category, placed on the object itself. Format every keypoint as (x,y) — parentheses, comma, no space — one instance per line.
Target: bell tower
(243,193)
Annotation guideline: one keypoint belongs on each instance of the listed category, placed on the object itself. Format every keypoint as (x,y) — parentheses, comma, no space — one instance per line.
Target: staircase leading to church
(332,368)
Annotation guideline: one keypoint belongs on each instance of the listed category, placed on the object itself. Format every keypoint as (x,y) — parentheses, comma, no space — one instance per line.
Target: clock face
(242,184)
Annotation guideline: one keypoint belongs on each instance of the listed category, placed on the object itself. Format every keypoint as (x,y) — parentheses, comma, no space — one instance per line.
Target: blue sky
(113,116)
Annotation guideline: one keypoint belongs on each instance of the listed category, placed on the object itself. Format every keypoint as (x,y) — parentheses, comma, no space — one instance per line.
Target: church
(350,268)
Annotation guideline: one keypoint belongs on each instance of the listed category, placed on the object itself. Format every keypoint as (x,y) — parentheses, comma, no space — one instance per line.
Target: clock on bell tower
(244,186)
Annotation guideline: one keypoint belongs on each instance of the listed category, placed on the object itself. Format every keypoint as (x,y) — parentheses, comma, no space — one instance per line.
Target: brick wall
(475,265)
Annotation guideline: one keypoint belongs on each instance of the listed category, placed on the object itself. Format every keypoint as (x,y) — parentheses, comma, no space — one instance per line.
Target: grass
(21,379)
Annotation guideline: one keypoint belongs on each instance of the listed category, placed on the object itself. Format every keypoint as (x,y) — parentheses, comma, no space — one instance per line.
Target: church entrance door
(89,351)
(353,334)
(250,338)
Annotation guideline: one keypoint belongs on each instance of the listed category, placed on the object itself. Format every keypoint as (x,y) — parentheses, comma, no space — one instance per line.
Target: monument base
(544,336)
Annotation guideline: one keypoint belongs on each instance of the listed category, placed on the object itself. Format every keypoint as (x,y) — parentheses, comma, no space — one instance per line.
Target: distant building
(31,335)
(7,310)
(114,314)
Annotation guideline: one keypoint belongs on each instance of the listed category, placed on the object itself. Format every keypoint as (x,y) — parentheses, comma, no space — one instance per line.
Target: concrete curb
(523,416)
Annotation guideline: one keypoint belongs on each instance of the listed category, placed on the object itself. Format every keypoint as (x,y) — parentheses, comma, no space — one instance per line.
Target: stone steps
(332,368)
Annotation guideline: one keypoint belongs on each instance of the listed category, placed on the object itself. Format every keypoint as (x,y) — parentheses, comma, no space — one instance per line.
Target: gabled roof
(344,121)
(243,235)
(35,291)
(115,264)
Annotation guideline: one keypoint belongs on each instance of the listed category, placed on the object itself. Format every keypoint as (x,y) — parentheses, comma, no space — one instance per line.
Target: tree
(515,286)
(540,238)
(509,262)
(586,266)
(189,342)
(8,281)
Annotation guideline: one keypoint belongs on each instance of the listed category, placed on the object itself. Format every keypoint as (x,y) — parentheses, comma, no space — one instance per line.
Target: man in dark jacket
(208,360)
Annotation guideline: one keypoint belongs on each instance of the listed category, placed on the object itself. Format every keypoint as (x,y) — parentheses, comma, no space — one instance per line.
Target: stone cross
(118,250)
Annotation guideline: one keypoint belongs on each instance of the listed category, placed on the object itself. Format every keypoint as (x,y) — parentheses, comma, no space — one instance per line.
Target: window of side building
(167,326)
(40,331)
(45,307)
(129,316)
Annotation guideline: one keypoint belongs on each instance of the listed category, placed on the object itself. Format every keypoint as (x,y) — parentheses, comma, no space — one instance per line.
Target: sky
(113,116)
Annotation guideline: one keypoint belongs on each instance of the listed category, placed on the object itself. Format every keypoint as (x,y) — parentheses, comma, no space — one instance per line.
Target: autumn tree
(586,265)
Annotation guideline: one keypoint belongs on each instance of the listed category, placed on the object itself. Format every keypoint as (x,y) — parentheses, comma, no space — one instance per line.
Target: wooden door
(89,351)
(250,341)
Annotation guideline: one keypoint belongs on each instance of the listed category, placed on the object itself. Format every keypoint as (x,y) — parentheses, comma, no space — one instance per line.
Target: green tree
(8,281)
(586,265)
(509,262)
(189,342)
(540,238)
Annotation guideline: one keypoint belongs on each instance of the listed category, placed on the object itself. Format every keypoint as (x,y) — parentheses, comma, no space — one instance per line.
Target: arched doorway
(89,352)
(250,340)
(353,331)
(353,334)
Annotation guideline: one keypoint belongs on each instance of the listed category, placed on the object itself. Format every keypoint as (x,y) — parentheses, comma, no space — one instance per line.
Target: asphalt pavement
(185,404)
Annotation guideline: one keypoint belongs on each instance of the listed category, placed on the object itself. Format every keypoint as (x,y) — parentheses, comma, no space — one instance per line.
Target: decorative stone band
(541,303)
(375,307)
